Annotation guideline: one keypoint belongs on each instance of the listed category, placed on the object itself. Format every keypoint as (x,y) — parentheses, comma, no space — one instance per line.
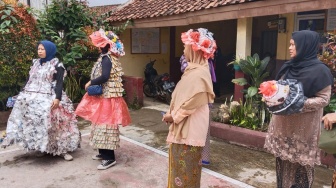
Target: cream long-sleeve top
(199,124)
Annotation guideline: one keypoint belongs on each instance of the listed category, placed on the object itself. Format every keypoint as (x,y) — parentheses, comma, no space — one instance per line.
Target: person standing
(328,121)
(43,116)
(188,115)
(109,110)
(292,139)
(206,148)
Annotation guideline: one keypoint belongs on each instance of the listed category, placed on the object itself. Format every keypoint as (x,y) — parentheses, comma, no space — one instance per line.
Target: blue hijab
(50,49)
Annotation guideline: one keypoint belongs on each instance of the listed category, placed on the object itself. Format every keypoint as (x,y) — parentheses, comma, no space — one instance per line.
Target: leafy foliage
(67,23)
(328,57)
(18,39)
(63,22)
(252,113)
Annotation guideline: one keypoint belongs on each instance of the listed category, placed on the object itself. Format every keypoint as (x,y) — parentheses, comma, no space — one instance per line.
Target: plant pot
(251,139)
(238,135)
(236,67)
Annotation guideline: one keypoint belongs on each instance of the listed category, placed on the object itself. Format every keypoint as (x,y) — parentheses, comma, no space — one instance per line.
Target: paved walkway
(138,166)
(141,162)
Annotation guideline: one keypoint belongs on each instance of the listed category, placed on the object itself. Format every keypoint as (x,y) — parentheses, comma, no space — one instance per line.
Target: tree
(63,22)
(18,39)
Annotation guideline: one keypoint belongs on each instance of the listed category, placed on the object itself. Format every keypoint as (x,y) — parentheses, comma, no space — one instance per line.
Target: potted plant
(251,113)
(235,63)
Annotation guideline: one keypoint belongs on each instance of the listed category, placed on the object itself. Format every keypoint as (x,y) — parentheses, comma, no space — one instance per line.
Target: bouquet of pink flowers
(283,97)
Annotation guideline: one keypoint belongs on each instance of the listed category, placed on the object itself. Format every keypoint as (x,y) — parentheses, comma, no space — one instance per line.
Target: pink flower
(178,181)
(195,36)
(268,88)
(206,43)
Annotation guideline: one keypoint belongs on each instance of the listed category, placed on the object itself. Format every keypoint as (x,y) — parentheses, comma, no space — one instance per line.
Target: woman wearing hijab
(109,110)
(206,148)
(43,118)
(292,139)
(188,115)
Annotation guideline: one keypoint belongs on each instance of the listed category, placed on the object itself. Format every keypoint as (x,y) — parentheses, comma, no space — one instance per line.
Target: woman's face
(185,52)
(41,51)
(292,48)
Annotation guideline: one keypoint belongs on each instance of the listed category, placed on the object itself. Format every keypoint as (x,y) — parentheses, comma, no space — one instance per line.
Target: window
(313,20)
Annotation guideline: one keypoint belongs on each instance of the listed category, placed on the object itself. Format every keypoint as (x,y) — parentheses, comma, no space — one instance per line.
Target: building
(240,27)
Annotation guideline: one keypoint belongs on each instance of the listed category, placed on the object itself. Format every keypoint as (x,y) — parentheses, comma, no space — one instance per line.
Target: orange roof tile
(99,10)
(139,9)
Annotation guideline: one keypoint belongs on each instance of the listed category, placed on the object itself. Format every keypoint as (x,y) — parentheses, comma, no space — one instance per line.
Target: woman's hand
(167,118)
(87,85)
(329,120)
(55,104)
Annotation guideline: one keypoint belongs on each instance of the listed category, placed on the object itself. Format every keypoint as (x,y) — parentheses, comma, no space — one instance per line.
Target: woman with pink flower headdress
(188,115)
(206,148)
(109,110)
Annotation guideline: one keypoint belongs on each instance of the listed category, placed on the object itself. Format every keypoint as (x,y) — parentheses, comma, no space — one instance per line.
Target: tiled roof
(99,10)
(139,9)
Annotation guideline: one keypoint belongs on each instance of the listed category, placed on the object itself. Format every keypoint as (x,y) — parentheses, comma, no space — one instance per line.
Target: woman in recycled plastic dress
(43,118)
(109,110)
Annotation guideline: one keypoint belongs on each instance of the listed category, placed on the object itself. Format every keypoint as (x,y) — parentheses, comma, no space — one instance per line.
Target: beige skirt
(105,138)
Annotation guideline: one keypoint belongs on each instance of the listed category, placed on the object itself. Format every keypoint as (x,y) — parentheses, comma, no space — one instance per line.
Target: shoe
(67,156)
(5,142)
(97,157)
(106,164)
(205,162)
(39,154)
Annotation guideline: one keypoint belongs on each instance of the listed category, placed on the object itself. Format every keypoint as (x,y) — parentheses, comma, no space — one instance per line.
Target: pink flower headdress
(200,39)
(101,38)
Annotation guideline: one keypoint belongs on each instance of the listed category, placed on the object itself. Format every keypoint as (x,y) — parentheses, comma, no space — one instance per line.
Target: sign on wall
(331,21)
(145,40)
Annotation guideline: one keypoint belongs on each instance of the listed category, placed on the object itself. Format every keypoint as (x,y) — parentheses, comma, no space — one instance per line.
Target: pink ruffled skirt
(104,111)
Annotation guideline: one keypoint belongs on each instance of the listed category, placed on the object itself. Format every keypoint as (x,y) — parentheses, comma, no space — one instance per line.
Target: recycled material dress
(33,124)
(107,111)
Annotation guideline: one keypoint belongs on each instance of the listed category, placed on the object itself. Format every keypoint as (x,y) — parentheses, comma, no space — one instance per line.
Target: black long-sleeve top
(106,70)
(59,81)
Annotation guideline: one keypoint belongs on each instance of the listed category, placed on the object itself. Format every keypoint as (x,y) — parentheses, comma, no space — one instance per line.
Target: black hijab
(305,66)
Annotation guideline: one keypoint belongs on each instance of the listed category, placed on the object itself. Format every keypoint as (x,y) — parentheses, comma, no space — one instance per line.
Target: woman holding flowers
(292,138)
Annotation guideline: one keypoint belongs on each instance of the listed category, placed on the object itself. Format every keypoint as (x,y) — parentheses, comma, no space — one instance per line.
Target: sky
(105,2)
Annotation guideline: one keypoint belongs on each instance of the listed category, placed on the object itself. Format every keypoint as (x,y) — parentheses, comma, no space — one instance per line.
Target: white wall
(36,4)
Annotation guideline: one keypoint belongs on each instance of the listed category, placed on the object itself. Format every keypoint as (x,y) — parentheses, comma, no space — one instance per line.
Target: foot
(6,142)
(205,162)
(67,156)
(106,164)
(97,157)
(39,154)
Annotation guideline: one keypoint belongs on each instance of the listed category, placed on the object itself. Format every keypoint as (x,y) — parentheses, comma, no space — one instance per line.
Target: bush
(18,39)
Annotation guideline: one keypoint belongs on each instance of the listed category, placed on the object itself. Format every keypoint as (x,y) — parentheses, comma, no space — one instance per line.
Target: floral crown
(101,38)
(200,39)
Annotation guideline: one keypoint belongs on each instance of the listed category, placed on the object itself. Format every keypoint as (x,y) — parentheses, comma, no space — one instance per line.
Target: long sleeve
(106,70)
(59,82)
(188,108)
(321,100)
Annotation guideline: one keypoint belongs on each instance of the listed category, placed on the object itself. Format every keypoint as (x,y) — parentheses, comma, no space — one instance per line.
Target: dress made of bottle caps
(113,87)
